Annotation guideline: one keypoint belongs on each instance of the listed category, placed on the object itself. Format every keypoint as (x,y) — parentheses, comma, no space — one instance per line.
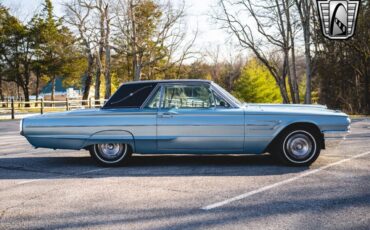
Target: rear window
(130,95)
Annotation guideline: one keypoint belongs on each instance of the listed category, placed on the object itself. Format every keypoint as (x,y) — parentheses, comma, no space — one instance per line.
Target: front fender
(111,136)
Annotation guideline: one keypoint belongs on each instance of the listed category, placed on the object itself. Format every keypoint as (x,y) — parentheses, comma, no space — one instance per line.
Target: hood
(293,109)
(289,106)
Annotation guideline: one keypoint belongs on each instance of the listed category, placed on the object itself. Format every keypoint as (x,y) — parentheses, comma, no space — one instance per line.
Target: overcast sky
(198,15)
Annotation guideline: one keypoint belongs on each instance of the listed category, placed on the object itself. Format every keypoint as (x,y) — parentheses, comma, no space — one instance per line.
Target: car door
(189,121)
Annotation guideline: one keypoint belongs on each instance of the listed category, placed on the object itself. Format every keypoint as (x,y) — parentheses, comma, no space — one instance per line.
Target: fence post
(90,103)
(42,106)
(12,104)
(67,104)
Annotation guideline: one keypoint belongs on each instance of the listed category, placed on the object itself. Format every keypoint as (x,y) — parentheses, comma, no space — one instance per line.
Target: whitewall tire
(297,147)
(110,154)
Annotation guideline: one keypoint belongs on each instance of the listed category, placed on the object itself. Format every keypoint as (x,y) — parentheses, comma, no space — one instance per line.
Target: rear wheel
(110,154)
(297,147)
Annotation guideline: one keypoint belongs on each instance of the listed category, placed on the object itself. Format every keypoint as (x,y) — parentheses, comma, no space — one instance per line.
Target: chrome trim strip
(75,137)
(335,134)
(338,132)
(208,114)
(103,115)
(210,150)
(126,125)
(259,125)
(76,126)
(239,125)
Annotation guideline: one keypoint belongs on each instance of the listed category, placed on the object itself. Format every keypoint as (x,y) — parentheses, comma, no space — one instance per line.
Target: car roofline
(169,81)
(160,83)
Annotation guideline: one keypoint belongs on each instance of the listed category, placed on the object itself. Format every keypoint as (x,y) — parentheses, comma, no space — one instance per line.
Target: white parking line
(19,152)
(56,177)
(280,183)
(94,170)
(29,181)
(12,141)
(14,131)
(7,134)
(6,137)
(12,145)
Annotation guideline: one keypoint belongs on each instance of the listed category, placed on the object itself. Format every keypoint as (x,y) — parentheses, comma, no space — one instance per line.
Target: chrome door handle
(166,114)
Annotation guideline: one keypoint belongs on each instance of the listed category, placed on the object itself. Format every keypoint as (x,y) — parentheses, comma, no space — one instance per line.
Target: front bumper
(335,135)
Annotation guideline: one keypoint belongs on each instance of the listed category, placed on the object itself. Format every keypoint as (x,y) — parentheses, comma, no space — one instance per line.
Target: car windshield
(227,94)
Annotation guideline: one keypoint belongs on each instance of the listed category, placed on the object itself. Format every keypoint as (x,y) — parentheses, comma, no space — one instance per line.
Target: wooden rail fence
(10,107)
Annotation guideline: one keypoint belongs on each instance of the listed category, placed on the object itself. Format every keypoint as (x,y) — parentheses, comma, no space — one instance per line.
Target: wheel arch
(296,125)
(104,136)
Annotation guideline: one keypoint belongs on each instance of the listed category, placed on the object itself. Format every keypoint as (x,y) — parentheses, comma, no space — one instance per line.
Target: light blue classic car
(187,117)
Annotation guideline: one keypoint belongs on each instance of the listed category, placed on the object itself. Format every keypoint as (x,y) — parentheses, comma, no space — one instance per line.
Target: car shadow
(143,165)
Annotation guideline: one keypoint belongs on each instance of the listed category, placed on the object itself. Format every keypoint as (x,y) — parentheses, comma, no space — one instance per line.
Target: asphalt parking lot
(47,189)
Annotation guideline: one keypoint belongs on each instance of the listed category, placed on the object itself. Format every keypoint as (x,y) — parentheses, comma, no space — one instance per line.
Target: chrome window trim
(215,93)
(220,94)
(161,97)
(212,88)
(201,83)
(152,94)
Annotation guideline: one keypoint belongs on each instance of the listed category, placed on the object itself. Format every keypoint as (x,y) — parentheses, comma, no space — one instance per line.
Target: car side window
(154,101)
(220,102)
(187,96)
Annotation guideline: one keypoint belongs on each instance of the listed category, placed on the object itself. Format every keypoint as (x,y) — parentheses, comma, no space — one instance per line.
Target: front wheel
(297,147)
(110,154)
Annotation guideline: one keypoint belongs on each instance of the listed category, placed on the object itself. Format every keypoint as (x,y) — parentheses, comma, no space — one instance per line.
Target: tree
(149,33)
(265,15)
(78,14)
(225,69)
(16,52)
(104,51)
(305,8)
(39,68)
(346,85)
(84,15)
(254,84)
(3,15)
(57,46)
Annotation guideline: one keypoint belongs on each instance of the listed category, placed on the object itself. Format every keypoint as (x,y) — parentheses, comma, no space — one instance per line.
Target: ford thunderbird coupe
(187,117)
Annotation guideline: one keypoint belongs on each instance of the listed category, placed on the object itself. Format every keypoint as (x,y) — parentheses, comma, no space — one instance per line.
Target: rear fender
(111,136)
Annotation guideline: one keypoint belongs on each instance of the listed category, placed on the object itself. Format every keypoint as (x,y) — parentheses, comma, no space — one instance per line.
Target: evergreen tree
(256,84)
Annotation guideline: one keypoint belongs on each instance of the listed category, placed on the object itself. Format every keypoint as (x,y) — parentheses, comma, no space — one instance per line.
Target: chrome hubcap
(111,151)
(299,146)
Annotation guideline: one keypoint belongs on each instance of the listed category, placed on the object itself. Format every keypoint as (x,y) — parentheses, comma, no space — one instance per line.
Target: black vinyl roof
(170,81)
